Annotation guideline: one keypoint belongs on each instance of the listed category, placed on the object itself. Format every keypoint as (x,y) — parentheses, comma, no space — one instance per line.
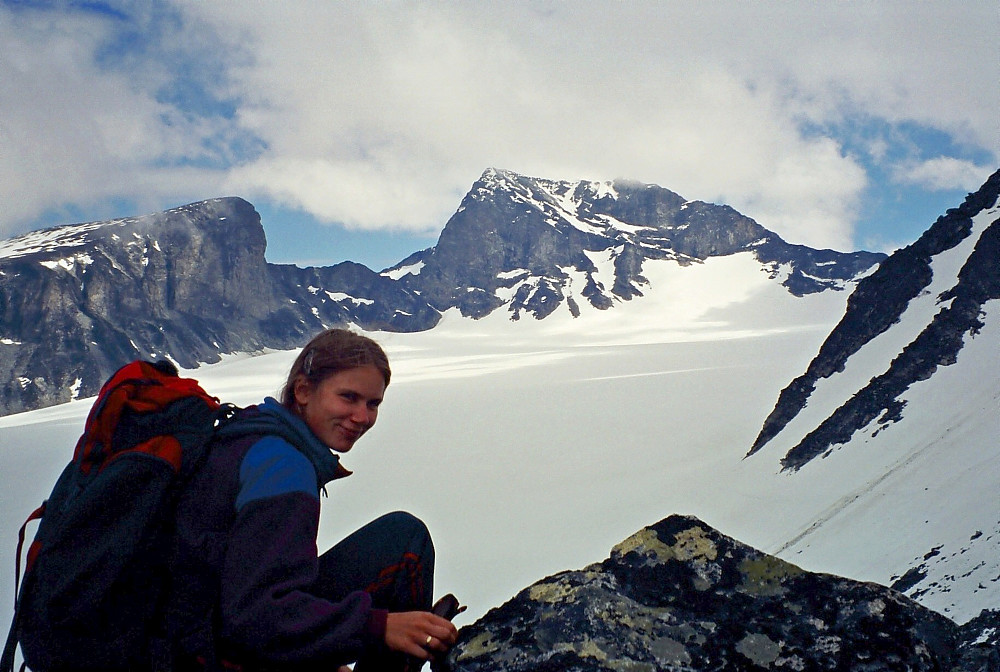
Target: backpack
(96,573)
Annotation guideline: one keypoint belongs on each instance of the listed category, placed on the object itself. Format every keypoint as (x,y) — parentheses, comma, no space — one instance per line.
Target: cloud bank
(380,115)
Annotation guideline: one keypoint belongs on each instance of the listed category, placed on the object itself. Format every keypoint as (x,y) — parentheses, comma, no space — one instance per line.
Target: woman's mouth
(350,434)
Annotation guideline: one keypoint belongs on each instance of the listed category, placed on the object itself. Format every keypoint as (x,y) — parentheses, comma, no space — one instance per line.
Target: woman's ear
(301,391)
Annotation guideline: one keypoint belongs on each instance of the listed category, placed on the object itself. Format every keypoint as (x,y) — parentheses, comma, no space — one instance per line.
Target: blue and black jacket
(245,558)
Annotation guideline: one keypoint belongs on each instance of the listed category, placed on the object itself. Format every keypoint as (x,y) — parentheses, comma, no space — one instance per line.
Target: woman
(249,588)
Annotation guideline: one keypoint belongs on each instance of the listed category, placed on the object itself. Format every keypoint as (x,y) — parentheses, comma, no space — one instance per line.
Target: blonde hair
(330,352)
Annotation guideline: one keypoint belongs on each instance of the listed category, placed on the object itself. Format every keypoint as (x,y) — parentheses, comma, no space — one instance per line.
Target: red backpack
(95,574)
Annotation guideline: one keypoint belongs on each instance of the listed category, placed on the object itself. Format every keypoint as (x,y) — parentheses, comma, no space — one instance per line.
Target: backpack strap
(7,660)
(34,515)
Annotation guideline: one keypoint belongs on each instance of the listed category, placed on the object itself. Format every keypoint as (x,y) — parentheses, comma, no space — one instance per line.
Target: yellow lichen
(690,544)
(590,649)
(556,591)
(480,645)
(631,666)
(640,541)
(764,575)
(694,543)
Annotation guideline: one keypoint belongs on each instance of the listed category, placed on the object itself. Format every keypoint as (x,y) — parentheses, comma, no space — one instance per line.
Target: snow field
(533,447)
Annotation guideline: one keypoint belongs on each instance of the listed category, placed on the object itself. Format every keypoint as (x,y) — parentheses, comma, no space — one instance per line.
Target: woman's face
(342,406)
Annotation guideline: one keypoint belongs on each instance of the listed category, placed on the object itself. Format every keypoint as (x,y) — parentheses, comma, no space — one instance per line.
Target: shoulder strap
(7,660)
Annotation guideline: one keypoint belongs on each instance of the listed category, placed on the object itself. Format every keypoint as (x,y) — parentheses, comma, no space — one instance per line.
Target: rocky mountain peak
(216,218)
(189,283)
(562,194)
(533,245)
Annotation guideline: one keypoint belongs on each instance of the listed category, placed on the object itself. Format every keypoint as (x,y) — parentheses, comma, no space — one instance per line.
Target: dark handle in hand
(447,607)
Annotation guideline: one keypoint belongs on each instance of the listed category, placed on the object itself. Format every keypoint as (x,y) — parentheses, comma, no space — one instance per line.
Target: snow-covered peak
(59,238)
(562,202)
(588,240)
(68,237)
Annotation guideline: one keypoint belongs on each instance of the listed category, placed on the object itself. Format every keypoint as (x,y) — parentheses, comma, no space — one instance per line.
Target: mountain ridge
(192,283)
(546,244)
(189,283)
(878,303)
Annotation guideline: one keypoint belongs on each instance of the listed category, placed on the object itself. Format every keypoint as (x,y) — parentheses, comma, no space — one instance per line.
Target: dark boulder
(679,595)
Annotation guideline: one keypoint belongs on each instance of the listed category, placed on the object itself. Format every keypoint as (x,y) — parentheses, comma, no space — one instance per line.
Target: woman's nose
(362,415)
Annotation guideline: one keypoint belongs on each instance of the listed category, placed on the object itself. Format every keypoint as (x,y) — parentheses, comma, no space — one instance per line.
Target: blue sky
(356,128)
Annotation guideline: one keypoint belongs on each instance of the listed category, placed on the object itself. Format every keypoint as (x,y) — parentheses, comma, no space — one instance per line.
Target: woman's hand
(419,633)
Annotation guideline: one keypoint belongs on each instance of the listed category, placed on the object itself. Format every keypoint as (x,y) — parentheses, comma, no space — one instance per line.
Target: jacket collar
(273,418)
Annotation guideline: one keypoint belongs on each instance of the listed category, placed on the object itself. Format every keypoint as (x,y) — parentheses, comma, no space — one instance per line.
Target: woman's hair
(330,352)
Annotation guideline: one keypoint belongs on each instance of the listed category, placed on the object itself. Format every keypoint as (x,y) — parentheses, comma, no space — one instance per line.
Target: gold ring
(428,642)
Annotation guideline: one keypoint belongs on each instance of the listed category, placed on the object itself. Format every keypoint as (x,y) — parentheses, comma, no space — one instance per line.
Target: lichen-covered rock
(679,595)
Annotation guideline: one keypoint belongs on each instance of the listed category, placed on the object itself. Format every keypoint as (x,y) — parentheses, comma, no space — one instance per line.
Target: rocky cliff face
(190,283)
(967,238)
(77,302)
(532,245)
(681,596)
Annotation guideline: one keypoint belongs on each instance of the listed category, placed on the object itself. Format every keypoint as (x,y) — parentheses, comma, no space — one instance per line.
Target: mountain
(534,445)
(905,389)
(928,299)
(532,245)
(192,283)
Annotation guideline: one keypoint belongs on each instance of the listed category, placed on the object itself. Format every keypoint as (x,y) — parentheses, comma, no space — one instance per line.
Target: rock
(680,595)
(531,245)
(979,643)
(188,284)
(876,306)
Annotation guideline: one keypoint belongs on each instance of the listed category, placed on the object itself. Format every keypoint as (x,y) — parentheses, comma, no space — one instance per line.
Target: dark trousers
(392,559)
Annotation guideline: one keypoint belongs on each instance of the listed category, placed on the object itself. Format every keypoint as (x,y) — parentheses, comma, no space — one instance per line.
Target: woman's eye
(349,396)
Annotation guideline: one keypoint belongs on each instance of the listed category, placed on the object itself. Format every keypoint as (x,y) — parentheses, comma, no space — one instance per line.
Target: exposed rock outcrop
(878,305)
(78,301)
(681,596)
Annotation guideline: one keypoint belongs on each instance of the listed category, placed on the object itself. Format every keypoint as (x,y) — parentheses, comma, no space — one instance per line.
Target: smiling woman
(247,525)
(342,407)
(336,386)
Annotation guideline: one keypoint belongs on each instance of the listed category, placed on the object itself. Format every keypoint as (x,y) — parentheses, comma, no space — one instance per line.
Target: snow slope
(534,446)
(931,479)
(874,358)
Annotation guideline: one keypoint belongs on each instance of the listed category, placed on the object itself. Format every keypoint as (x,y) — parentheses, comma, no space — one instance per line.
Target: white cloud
(942,173)
(382,115)
(357,194)
(382,118)
(707,100)
(74,133)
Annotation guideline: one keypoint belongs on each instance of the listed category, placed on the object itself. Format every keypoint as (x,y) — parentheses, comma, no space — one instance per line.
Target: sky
(356,128)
